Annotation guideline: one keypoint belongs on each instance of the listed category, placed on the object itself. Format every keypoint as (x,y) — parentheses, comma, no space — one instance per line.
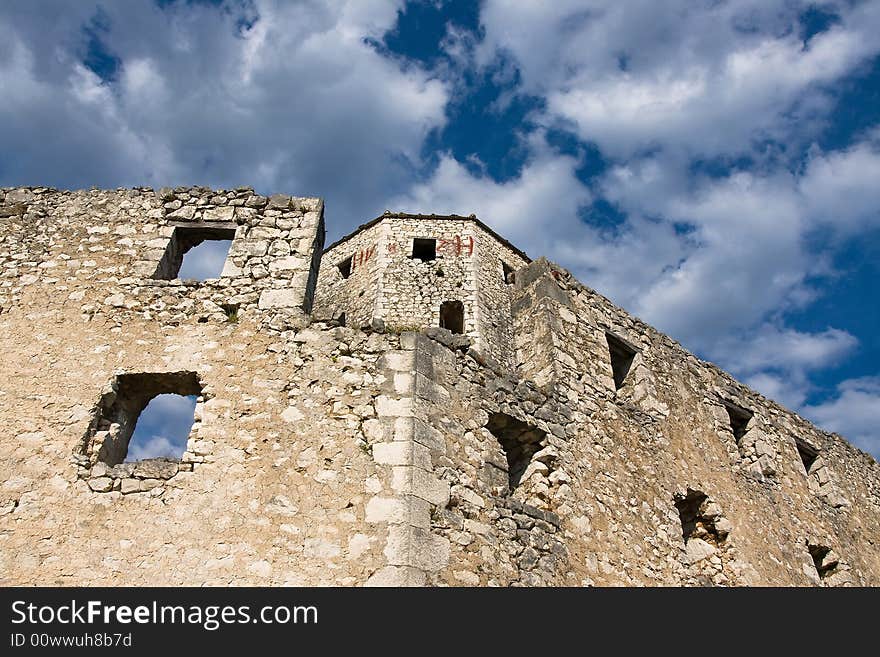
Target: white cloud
(151,448)
(705,78)
(298,102)
(162,428)
(854,412)
(736,252)
(787,349)
(789,391)
(746,254)
(840,188)
(777,361)
(537,210)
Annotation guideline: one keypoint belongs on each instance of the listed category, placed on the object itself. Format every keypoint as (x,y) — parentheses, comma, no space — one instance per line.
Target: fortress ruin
(418,404)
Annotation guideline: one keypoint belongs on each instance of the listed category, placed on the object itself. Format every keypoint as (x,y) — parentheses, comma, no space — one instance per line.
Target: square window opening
(508,273)
(424,249)
(739,420)
(452,316)
(520,442)
(622,355)
(700,517)
(231,311)
(344,267)
(195,253)
(807,453)
(145,416)
(824,560)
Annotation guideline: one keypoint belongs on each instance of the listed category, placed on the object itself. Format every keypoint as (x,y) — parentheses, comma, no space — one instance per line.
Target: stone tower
(420,404)
(415,271)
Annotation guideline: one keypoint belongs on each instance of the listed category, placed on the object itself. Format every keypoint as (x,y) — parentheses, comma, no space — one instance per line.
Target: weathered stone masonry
(341,437)
(386,282)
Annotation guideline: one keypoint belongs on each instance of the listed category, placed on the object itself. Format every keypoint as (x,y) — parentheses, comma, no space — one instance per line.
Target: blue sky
(162,428)
(711,166)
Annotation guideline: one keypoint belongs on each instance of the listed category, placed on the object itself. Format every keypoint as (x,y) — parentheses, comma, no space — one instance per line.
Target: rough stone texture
(387,283)
(385,452)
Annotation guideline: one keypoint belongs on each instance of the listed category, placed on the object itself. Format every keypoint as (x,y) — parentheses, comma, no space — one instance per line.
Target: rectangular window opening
(807,453)
(739,420)
(507,272)
(195,252)
(824,560)
(231,311)
(344,267)
(700,517)
(622,355)
(452,316)
(424,249)
(147,416)
(520,442)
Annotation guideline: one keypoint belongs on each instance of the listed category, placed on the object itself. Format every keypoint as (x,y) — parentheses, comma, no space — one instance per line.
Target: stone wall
(667,431)
(110,249)
(407,293)
(494,294)
(357,295)
(369,454)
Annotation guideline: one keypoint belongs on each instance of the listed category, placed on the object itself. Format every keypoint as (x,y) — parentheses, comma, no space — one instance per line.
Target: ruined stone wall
(326,454)
(357,295)
(666,432)
(407,292)
(493,300)
(114,244)
(274,483)
(412,290)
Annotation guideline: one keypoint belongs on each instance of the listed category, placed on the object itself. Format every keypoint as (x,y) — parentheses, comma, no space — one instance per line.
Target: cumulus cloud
(713,261)
(293,97)
(536,210)
(283,96)
(787,349)
(153,447)
(777,361)
(840,188)
(707,78)
(700,259)
(854,412)
(746,239)
(162,428)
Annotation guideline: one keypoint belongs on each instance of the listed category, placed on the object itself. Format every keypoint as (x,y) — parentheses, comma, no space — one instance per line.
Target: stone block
(280,298)
(397,576)
(101,484)
(698,549)
(130,486)
(222,213)
(403,383)
(417,548)
(399,361)
(288,263)
(389,407)
(404,510)
(231,270)
(185,213)
(292,414)
(249,247)
(426,389)
(19,196)
(279,202)
(155,469)
(416,429)
(402,453)
(410,480)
